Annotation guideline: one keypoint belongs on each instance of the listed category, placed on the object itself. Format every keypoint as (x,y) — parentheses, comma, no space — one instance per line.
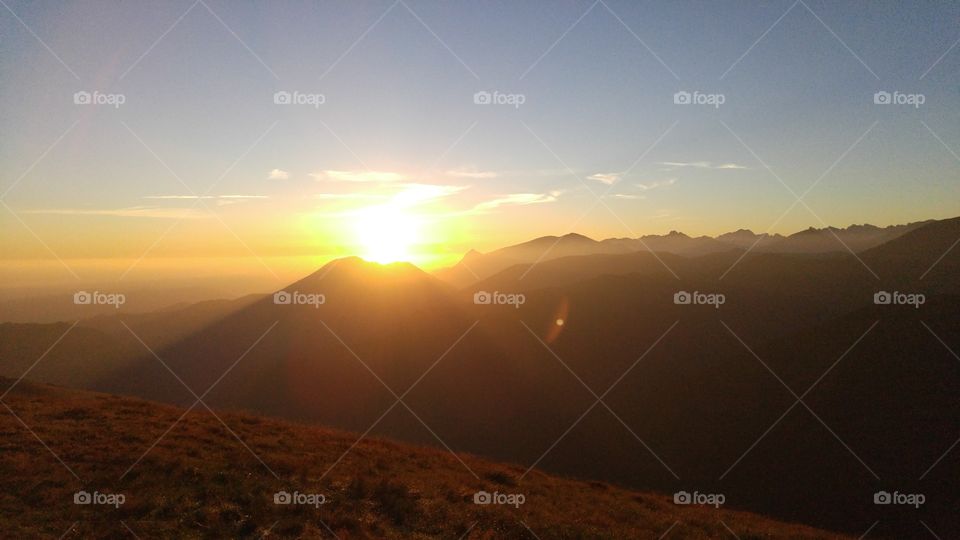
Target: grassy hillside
(200,481)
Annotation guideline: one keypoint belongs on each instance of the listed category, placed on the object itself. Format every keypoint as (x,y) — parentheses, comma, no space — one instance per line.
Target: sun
(386,233)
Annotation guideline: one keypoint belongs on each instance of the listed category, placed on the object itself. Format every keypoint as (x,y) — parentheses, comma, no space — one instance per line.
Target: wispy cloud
(606,178)
(628,196)
(702,165)
(133,211)
(195,197)
(358,176)
(414,194)
(515,199)
(472,173)
(278,174)
(350,196)
(656,184)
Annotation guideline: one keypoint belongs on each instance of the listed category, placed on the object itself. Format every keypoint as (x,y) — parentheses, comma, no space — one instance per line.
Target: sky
(145,140)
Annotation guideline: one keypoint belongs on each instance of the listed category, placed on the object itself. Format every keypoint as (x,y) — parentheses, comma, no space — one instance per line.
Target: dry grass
(199,481)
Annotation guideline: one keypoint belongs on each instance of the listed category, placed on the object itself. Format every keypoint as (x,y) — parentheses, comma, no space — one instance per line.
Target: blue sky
(398,81)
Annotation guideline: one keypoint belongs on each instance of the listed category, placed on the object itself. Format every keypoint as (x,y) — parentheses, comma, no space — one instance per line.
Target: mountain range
(799,396)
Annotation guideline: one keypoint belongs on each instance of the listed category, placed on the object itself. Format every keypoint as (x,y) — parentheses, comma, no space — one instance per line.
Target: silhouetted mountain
(747,239)
(475,267)
(854,238)
(687,398)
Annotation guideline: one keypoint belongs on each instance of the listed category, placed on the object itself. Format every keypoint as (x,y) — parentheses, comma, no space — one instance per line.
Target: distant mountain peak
(577,237)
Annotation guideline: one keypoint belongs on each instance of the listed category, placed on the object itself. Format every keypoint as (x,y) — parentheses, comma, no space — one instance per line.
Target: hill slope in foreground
(208,478)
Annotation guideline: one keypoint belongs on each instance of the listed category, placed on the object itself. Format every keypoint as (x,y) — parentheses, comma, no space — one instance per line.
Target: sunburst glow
(387,233)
